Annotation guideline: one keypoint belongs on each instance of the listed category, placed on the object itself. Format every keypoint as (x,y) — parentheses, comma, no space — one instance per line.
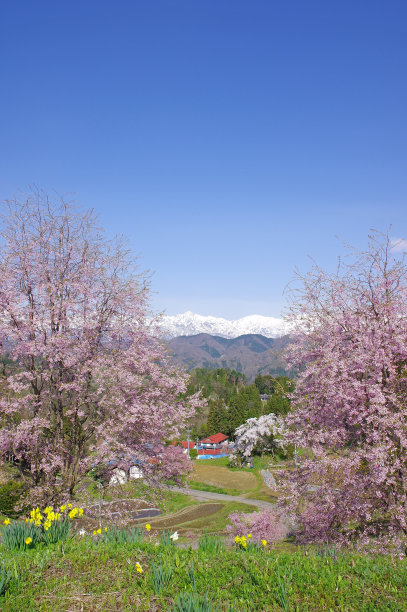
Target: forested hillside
(250,354)
(231,399)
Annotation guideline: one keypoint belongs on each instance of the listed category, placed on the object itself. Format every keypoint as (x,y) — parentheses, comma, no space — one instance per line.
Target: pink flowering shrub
(267,525)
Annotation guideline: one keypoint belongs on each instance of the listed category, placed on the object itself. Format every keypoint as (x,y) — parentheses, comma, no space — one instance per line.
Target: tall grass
(58,531)
(4,580)
(14,536)
(192,602)
(211,544)
(161,577)
(128,535)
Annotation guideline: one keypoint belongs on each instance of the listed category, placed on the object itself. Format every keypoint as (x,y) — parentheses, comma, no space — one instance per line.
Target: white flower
(174,536)
(82,532)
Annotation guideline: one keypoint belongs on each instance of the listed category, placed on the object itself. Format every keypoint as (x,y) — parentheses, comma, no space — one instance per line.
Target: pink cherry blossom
(350,401)
(88,379)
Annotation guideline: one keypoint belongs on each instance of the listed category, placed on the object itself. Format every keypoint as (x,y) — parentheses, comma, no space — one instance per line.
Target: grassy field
(216,475)
(223,477)
(94,575)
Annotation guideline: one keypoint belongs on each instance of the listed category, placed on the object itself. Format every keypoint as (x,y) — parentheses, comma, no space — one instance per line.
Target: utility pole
(295,456)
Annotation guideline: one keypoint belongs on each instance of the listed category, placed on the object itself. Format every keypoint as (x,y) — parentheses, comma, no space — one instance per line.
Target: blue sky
(230,141)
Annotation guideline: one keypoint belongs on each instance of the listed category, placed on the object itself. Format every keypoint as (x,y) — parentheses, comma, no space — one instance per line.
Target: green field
(93,573)
(90,574)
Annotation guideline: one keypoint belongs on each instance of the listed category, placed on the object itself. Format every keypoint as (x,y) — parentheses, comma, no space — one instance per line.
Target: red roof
(215,439)
(183,443)
(189,444)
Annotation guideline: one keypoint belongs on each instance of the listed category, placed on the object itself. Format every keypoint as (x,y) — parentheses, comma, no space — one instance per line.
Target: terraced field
(202,518)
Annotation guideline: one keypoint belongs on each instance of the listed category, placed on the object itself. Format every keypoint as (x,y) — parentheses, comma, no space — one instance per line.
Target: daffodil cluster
(49,515)
(242,541)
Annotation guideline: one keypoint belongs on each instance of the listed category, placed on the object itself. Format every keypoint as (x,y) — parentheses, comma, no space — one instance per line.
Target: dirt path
(207,495)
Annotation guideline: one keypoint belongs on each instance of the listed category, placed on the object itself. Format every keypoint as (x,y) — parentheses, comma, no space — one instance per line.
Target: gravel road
(207,495)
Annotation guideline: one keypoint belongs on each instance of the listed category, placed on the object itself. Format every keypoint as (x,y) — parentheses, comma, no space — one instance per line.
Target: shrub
(10,495)
(193,453)
(265,525)
(235,460)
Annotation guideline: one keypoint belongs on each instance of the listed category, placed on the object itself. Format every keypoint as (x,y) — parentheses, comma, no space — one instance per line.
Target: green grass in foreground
(96,575)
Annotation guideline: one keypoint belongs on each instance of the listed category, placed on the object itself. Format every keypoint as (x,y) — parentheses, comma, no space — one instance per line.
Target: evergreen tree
(217,417)
(246,404)
(280,403)
(265,384)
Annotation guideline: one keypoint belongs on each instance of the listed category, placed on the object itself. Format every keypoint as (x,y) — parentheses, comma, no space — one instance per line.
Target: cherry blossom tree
(350,401)
(266,431)
(85,378)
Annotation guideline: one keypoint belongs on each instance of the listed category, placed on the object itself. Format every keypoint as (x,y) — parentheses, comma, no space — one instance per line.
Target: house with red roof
(218,439)
(213,446)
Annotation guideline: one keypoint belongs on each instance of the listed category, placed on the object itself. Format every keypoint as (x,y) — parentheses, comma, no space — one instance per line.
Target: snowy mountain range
(190,324)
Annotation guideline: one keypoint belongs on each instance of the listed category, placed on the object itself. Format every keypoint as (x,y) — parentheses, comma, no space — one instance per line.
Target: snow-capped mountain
(189,324)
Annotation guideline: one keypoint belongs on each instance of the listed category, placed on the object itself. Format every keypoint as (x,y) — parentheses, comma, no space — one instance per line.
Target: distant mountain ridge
(190,324)
(250,354)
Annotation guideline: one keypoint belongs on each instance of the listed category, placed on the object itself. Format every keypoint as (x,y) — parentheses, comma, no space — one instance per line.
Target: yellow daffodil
(26,520)
(264,542)
(73,513)
(48,509)
(98,530)
(6,521)
(105,529)
(80,511)
(28,541)
(237,539)
(62,508)
(249,535)
(148,526)
(69,505)
(244,544)
(47,525)
(139,569)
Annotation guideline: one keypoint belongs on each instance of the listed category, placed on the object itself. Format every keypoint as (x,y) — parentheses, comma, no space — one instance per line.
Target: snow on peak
(190,323)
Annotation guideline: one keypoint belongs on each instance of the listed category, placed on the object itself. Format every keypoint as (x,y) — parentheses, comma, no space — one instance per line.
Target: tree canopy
(91,381)
(350,401)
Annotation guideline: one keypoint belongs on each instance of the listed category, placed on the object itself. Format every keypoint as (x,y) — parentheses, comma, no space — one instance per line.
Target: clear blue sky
(229,140)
